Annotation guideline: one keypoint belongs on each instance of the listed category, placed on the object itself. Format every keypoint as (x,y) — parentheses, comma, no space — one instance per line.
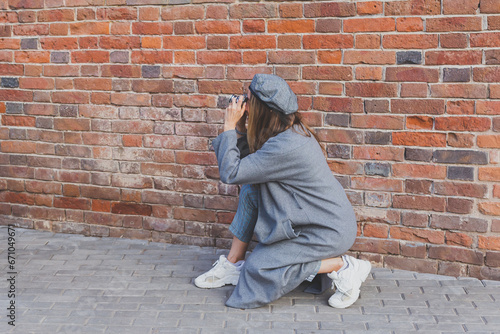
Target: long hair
(264,123)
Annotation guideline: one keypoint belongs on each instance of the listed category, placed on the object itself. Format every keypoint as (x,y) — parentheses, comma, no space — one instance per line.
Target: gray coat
(304,214)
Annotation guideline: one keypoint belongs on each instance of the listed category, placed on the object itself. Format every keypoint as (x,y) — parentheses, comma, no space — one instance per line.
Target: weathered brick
(415,219)
(376,106)
(338,151)
(457,223)
(374,168)
(456,254)
(454,41)
(419,202)
(418,187)
(459,205)
(378,138)
(419,171)
(409,74)
(379,246)
(460,189)
(456,75)
(412,106)
(337,119)
(374,183)
(460,173)
(408,57)
(460,157)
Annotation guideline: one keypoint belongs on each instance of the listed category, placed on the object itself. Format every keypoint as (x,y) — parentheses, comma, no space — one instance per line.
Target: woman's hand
(234,114)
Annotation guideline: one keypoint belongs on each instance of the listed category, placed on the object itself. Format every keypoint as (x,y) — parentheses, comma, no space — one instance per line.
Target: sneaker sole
(229,280)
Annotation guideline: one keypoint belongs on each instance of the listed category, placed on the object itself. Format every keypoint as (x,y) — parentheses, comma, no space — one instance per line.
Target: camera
(237,97)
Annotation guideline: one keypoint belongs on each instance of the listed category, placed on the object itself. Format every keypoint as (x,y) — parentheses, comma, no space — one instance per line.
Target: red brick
(460,107)
(459,205)
(291,57)
(226,87)
(72,203)
(468,91)
(429,203)
(419,171)
(194,215)
(414,219)
(412,74)
(289,42)
(453,58)
(488,107)
(217,27)
(489,242)
(184,42)
(458,239)
(489,208)
(413,90)
(417,235)
(338,104)
(290,10)
(264,10)
(379,246)
(410,249)
(253,42)
(375,230)
(409,24)
(24,121)
(490,7)
(254,57)
(219,57)
(493,22)
(489,39)
(370,8)
(195,101)
(460,140)
(329,57)
(369,24)
(419,139)
(413,7)
(369,89)
(337,73)
(488,141)
(410,41)
(335,41)
(419,122)
(369,73)
(377,122)
(454,41)
(488,74)
(423,187)
(367,41)
(193,12)
(463,123)
(290,26)
(346,167)
(376,183)
(333,9)
(250,26)
(378,153)
(466,23)
(462,7)
(369,57)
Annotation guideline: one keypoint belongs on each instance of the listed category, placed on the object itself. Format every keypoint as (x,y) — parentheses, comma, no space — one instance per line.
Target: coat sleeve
(264,165)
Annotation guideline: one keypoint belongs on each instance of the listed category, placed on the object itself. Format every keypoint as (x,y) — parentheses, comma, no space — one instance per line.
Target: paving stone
(77,284)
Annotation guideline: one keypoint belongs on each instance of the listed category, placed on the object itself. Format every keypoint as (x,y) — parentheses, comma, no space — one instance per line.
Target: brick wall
(107,113)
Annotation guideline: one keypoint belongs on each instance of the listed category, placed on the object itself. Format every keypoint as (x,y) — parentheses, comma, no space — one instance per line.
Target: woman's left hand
(234,112)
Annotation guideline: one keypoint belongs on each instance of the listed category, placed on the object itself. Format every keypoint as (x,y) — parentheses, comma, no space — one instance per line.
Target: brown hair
(264,123)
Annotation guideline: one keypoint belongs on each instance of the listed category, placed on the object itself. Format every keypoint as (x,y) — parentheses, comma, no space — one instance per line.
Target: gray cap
(274,92)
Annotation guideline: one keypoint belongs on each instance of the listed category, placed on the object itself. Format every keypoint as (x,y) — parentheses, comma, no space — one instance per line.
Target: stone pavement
(76,284)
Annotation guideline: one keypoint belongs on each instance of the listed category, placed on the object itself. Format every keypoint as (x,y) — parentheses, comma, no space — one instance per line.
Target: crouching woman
(297,209)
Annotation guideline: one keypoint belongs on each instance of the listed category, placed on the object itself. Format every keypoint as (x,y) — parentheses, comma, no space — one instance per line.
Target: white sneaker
(348,282)
(222,273)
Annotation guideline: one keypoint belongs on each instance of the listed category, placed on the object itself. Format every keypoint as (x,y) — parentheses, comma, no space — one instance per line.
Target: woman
(299,212)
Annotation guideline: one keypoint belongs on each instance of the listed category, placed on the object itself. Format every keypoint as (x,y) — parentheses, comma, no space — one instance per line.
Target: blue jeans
(244,221)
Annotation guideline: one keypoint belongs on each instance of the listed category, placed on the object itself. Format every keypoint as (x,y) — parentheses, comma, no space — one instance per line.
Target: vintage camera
(237,97)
